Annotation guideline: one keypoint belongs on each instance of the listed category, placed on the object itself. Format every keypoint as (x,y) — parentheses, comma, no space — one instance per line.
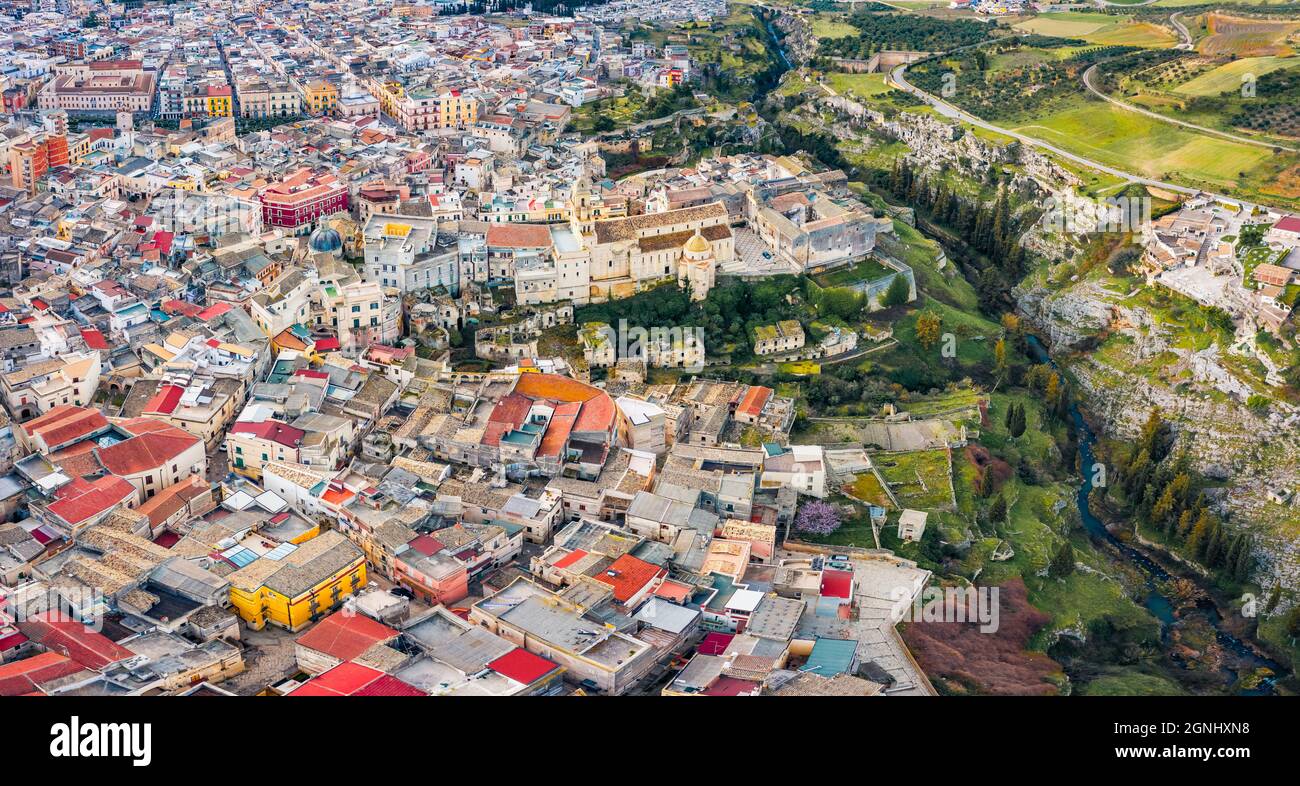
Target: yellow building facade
(320,97)
(308,584)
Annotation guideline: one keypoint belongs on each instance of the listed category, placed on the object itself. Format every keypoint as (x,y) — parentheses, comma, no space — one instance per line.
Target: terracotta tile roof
(94,339)
(597,414)
(271,431)
(79,460)
(555,387)
(507,415)
(426,545)
(346,635)
(165,400)
(83,499)
(148,451)
(71,637)
(162,505)
(519,236)
(755,399)
(24,677)
(630,574)
(557,433)
(65,424)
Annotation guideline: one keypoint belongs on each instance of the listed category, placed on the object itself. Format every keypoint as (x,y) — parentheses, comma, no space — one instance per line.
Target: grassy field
(801,368)
(830,27)
(866,487)
(867,269)
(1132,685)
(1101,29)
(864,85)
(1141,144)
(1065,25)
(918,479)
(1229,75)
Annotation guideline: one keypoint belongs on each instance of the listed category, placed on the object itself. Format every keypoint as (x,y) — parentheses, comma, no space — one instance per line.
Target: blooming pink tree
(817,518)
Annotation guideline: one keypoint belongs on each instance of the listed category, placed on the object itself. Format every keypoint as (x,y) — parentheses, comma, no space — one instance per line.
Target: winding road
(1245,140)
(898,78)
(1183,32)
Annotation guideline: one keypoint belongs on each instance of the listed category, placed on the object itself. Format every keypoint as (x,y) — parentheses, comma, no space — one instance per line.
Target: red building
(15,100)
(301,198)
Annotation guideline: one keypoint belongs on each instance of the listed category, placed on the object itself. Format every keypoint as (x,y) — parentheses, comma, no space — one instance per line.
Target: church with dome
(697,268)
(325,240)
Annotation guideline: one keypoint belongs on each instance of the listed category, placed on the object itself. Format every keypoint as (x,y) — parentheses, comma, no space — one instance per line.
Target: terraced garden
(919,479)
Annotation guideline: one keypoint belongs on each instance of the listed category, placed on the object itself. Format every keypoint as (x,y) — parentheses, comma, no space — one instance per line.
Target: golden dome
(697,245)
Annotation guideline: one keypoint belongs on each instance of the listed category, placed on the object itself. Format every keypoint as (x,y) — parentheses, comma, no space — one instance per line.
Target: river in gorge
(1246,659)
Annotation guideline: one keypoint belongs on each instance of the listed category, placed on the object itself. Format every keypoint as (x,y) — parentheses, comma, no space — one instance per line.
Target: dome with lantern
(325,240)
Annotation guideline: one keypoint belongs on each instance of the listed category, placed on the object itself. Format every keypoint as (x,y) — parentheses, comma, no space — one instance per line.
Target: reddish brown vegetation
(988,467)
(987,663)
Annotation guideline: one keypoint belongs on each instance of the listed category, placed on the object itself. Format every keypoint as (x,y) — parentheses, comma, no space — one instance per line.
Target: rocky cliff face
(1248,453)
(1065,319)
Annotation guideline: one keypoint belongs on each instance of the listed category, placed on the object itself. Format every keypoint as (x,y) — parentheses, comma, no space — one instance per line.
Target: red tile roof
(71,637)
(630,576)
(507,415)
(165,400)
(23,677)
(426,545)
(64,424)
(346,635)
(523,666)
(272,431)
(174,306)
(146,452)
(352,679)
(84,499)
(165,503)
(557,432)
(519,236)
(342,680)
(754,401)
(78,461)
(1288,224)
(213,311)
(388,685)
(94,339)
(597,415)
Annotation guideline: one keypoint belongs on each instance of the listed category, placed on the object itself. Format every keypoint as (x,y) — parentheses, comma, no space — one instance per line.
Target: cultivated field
(1137,143)
(1100,29)
(1230,35)
(1229,75)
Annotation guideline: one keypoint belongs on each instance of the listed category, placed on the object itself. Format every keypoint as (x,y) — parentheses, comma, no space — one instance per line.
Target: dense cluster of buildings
(241,245)
(1246,263)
